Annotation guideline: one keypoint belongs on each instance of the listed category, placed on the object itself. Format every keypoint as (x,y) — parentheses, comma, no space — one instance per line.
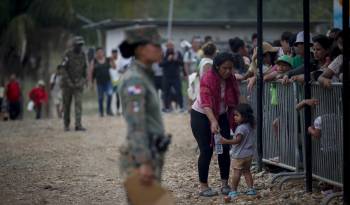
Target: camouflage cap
(78,40)
(136,34)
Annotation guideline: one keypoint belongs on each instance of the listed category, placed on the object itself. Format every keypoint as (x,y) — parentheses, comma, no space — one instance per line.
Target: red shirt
(38,95)
(13,91)
(210,94)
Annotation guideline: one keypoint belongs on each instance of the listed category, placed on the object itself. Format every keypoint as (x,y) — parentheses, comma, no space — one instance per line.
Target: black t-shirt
(172,69)
(101,72)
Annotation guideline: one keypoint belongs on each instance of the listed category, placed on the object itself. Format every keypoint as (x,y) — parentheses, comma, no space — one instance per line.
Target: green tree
(29,30)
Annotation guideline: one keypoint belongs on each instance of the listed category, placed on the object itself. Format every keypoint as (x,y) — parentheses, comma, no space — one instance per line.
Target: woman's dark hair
(286,36)
(273,57)
(209,49)
(276,43)
(99,48)
(339,35)
(254,36)
(221,58)
(323,40)
(335,51)
(247,114)
(127,50)
(292,39)
(236,44)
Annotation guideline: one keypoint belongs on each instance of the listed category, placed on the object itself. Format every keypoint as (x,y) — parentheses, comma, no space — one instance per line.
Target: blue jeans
(102,90)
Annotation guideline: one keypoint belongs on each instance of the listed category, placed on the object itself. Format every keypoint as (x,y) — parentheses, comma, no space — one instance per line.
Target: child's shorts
(242,163)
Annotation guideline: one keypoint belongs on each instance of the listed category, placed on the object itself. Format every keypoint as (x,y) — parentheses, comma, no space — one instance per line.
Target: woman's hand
(298,78)
(239,77)
(285,80)
(147,174)
(255,54)
(326,83)
(214,127)
(251,83)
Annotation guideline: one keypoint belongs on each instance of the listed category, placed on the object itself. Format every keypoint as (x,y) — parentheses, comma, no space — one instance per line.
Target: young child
(315,129)
(283,65)
(242,150)
(39,96)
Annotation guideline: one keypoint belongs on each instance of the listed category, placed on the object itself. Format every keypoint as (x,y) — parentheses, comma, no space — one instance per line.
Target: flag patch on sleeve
(134,90)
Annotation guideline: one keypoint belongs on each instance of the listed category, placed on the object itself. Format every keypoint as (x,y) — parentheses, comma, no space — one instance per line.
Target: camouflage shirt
(74,71)
(141,110)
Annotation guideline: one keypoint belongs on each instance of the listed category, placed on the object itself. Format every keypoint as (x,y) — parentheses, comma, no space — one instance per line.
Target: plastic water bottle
(218,146)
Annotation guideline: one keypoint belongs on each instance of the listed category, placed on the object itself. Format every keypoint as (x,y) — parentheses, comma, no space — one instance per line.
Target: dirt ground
(41,164)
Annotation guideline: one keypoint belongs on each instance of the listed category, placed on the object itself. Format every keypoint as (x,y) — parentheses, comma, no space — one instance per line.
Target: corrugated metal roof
(112,24)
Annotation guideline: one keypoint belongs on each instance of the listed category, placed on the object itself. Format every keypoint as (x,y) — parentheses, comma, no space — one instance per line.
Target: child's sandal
(251,192)
(233,194)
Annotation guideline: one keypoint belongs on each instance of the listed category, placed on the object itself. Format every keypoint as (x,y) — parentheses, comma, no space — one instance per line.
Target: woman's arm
(270,76)
(214,125)
(296,71)
(325,78)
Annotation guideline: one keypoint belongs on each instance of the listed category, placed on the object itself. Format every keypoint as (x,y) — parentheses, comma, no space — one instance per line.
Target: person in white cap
(298,60)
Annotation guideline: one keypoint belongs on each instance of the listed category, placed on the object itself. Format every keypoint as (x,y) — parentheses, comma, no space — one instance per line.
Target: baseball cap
(286,59)
(137,34)
(300,38)
(41,82)
(79,40)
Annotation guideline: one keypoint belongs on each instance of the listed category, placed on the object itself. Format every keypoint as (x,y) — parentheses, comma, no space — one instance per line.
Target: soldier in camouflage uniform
(146,140)
(74,73)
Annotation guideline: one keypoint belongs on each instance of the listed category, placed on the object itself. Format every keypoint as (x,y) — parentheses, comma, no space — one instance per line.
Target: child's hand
(223,140)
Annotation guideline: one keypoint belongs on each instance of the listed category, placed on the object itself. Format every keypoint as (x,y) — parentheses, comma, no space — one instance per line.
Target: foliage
(204,9)
(25,25)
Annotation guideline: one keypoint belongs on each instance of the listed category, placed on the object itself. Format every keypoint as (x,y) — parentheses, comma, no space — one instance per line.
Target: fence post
(346,101)
(260,84)
(308,145)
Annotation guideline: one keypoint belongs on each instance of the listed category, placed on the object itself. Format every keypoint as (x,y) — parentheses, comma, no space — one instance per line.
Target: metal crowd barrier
(286,148)
(278,149)
(327,152)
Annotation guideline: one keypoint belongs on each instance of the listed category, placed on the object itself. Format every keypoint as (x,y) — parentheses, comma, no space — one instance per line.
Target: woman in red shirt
(212,113)
(39,96)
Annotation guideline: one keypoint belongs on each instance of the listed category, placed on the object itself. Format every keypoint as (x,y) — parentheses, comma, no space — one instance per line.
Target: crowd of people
(213,97)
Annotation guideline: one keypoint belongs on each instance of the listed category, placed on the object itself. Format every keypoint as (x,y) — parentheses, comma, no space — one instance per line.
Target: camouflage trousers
(68,94)
(127,164)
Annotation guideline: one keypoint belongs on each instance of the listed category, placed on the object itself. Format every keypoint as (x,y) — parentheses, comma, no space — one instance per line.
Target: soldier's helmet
(78,40)
(137,35)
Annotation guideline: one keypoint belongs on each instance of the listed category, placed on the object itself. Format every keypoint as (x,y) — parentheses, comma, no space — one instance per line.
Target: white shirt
(56,81)
(158,71)
(335,66)
(115,76)
(192,58)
